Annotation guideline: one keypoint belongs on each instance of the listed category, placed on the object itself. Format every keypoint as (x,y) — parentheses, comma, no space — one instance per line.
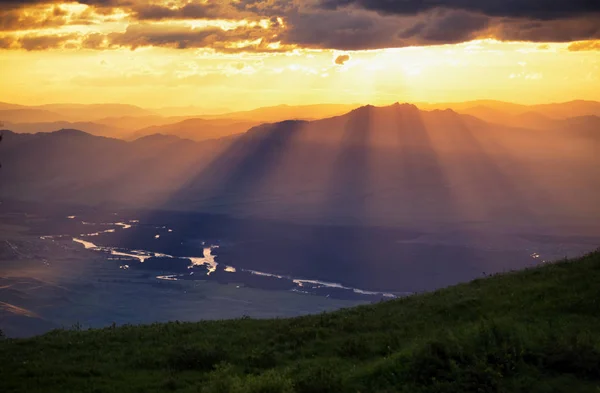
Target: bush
(478,361)
(225,380)
(270,382)
(320,376)
(576,355)
(195,358)
(261,358)
(354,347)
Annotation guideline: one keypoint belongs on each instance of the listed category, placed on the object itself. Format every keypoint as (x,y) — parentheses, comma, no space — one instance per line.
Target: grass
(534,331)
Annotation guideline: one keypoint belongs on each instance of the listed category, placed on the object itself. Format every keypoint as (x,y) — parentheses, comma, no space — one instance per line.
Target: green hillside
(532,331)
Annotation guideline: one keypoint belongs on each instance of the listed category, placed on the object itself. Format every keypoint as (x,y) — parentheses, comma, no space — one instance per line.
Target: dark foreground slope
(531,331)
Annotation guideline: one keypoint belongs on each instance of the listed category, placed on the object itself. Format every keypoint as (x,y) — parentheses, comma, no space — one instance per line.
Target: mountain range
(391,165)
(130,122)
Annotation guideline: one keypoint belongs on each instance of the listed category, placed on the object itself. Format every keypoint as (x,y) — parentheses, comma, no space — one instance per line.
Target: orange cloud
(584,45)
(283,25)
(341,59)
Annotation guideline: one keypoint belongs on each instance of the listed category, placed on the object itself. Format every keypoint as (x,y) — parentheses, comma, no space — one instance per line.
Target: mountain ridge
(391,163)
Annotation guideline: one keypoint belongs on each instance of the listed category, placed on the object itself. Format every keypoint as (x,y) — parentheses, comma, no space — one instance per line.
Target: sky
(248,53)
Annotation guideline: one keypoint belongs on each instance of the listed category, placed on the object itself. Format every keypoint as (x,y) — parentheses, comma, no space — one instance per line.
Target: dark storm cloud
(339,30)
(565,30)
(357,30)
(531,9)
(447,27)
(16,4)
(10,4)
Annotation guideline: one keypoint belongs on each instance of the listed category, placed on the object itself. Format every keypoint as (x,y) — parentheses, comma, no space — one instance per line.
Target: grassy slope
(532,331)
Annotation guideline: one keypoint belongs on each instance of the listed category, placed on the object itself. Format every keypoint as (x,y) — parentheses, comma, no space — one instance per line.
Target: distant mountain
(89,127)
(286,112)
(198,129)
(68,112)
(188,111)
(401,163)
(83,112)
(210,126)
(134,117)
(533,120)
(465,106)
(134,123)
(390,165)
(7,106)
(583,126)
(519,115)
(28,115)
(486,113)
(74,166)
(569,109)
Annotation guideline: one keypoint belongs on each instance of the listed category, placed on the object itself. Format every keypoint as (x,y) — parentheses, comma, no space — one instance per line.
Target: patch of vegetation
(533,331)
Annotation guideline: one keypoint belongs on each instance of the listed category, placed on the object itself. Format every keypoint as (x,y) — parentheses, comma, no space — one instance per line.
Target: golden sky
(248,53)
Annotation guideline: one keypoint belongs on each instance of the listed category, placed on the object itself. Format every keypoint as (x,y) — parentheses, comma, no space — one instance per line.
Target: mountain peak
(395,107)
(157,137)
(70,132)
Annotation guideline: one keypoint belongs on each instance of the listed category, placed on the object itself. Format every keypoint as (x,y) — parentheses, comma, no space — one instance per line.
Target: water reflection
(87,245)
(299,285)
(208,259)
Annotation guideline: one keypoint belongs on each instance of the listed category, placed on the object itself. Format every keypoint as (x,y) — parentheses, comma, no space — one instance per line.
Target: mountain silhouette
(89,127)
(197,129)
(374,165)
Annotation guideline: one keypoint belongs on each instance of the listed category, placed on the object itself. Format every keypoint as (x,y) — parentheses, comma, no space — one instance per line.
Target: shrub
(195,358)
(320,376)
(269,382)
(575,355)
(355,347)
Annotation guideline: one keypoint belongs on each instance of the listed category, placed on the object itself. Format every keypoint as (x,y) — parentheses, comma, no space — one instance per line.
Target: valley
(93,268)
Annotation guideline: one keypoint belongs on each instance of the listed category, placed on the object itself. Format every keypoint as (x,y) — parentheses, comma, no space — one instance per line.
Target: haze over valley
(192,160)
(252,214)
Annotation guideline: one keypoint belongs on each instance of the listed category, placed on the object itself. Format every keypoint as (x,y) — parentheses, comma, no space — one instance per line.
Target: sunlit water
(207,259)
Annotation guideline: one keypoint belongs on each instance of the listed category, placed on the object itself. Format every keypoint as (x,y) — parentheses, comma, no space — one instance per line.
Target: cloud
(46,16)
(42,42)
(94,41)
(36,18)
(530,9)
(279,25)
(563,30)
(447,26)
(584,46)
(16,4)
(250,38)
(208,10)
(6,42)
(341,59)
